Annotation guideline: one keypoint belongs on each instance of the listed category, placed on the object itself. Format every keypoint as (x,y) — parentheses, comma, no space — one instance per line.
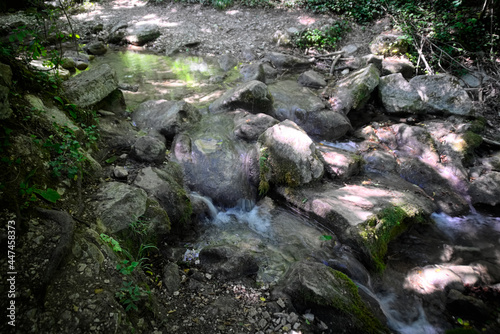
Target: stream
(421,265)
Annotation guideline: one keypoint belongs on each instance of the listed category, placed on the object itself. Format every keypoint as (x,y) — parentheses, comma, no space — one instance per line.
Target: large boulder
(288,156)
(284,61)
(118,205)
(141,33)
(329,294)
(166,186)
(352,92)
(312,79)
(96,48)
(252,96)
(366,214)
(253,71)
(300,105)
(53,115)
(485,190)
(249,126)
(340,163)
(442,93)
(90,87)
(397,65)
(165,117)
(148,149)
(398,96)
(215,162)
(388,44)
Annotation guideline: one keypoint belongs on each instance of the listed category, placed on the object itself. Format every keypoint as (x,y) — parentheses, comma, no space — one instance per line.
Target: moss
(472,141)
(381,229)
(478,125)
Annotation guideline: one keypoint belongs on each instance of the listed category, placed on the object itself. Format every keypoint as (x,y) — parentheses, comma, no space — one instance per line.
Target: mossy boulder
(331,296)
(352,92)
(288,156)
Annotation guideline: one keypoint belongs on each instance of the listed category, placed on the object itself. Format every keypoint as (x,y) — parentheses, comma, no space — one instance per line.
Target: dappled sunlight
(233,12)
(121,4)
(306,20)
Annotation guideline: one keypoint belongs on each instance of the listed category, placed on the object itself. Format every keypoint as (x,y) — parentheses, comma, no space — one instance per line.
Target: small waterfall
(208,202)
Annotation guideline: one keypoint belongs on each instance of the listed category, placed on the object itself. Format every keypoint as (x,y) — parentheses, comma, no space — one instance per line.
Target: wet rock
(357,213)
(252,96)
(228,262)
(397,65)
(466,306)
(445,196)
(388,44)
(340,163)
(141,33)
(485,190)
(215,163)
(300,105)
(380,161)
(312,79)
(171,277)
(291,156)
(118,204)
(165,117)
(91,87)
(253,72)
(97,48)
(148,149)
(250,126)
(442,93)
(352,92)
(316,287)
(398,96)
(227,62)
(284,61)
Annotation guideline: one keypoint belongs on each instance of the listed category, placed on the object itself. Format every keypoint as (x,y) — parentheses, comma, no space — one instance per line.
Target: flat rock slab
(91,87)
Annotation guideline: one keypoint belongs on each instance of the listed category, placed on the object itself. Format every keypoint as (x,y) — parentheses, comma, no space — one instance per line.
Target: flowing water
(279,236)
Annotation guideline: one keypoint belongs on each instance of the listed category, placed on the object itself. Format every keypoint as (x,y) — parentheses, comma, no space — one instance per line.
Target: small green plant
(325,237)
(326,38)
(126,267)
(29,191)
(115,245)
(264,169)
(129,294)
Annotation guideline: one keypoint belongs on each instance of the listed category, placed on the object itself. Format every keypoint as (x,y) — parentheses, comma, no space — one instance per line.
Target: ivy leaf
(50,194)
(325,237)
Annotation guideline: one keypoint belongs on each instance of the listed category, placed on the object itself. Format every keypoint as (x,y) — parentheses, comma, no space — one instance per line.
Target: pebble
(281,303)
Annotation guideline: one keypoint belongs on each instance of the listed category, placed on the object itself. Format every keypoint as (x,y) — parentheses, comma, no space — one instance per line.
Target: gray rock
(166,186)
(270,72)
(349,49)
(97,48)
(81,65)
(467,306)
(353,91)
(141,33)
(316,287)
(250,126)
(485,189)
(282,38)
(284,61)
(5,75)
(396,65)
(442,93)
(215,164)
(253,72)
(340,163)
(165,117)
(118,205)
(90,87)
(380,161)
(228,262)
(472,80)
(114,102)
(53,115)
(312,79)
(120,172)
(398,96)
(5,110)
(388,44)
(171,277)
(252,96)
(148,149)
(227,62)
(248,54)
(291,156)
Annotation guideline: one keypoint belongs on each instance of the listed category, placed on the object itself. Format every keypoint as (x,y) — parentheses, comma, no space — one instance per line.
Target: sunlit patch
(232,12)
(171,24)
(306,20)
(120,4)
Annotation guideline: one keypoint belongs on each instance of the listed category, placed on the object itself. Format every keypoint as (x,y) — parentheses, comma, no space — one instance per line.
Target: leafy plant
(129,294)
(126,267)
(29,191)
(115,245)
(326,38)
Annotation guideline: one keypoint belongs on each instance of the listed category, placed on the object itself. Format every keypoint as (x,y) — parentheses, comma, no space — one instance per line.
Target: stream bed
(423,265)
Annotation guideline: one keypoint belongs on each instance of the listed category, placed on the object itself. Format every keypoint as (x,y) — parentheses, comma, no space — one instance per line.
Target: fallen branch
(330,54)
(491,142)
(335,60)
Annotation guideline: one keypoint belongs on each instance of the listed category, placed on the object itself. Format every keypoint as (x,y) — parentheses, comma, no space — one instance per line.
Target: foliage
(362,11)
(264,170)
(66,152)
(325,38)
(115,245)
(129,294)
(29,191)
